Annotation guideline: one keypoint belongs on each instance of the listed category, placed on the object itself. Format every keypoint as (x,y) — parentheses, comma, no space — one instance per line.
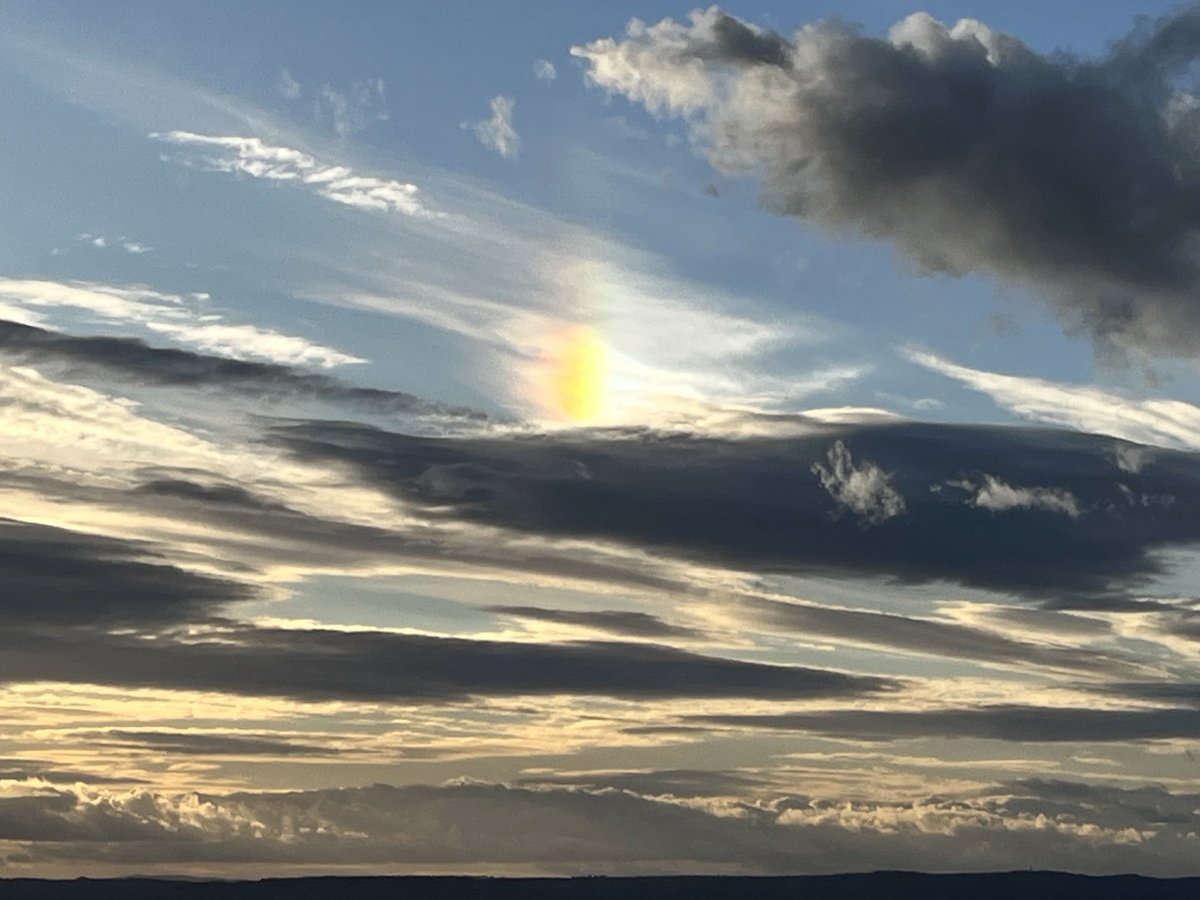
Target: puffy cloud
(467,826)
(498,133)
(962,146)
(999,496)
(863,489)
(543,70)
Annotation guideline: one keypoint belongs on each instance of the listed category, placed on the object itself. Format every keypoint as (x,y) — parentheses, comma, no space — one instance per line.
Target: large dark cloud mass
(963,147)
(1003,723)
(1037,512)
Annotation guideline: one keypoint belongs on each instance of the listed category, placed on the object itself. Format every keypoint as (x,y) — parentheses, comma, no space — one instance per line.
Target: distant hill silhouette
(1009,886)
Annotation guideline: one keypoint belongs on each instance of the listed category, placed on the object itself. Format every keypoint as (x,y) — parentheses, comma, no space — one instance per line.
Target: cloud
(1000,723)
(56,579)
(498,133)
(134,362)
(352,110)
(251,156)
(999,496)
(929,637)
(652,783)
(864,490)
(963,147)
(318,665)
(181,318)
(1159,422)
(100,242)
(752,503)
(467,827)
(288,86)
(626,623)
(543,70)
(199,744)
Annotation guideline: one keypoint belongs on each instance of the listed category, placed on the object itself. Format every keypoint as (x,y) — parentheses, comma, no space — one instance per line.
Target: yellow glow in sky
(578,375)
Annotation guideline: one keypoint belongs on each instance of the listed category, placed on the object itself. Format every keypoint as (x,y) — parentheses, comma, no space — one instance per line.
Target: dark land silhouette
(1021,885)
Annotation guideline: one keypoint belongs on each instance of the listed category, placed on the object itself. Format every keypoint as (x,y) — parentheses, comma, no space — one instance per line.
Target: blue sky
(527,411)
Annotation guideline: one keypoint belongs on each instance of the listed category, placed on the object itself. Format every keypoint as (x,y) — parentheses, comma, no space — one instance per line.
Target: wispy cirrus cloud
(254,157)
(187,319)
(1161,422)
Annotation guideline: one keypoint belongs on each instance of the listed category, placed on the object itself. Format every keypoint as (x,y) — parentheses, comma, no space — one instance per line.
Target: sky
(544,438)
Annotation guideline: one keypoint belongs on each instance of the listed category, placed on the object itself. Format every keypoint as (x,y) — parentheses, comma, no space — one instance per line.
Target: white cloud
(240,341)
(1000,496)
(864,489)
(498,133)
(1166,423)
(171,314)
(252,156)
(100,242)
(543,70)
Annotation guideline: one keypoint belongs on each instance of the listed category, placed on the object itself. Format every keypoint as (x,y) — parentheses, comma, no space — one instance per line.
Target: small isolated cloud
(100,242)
(864,489)
(543,70)
(353,109)
(497,133)
(999,496)
(288,86)
(1131,458)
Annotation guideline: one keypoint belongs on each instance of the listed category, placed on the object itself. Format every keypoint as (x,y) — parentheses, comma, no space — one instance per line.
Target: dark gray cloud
(53,578)
(615,621)
(755,503)
(251,532)
(387,667)
(1175,692)
(470,827)
(1002,723)
(25,769)
(135,362)
(964,148)
(925,636)
(202,744)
